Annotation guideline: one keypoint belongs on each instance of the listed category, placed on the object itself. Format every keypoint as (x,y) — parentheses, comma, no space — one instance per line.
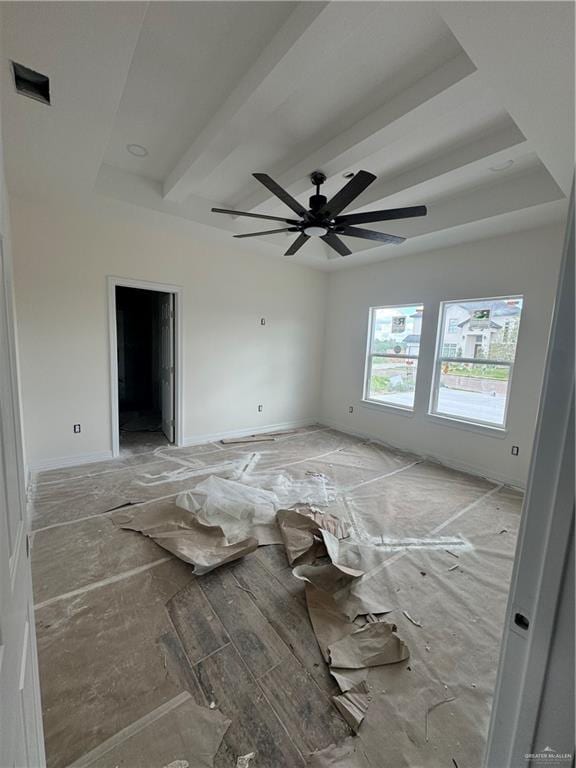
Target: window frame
(366,400)
(440,359)
(451,344)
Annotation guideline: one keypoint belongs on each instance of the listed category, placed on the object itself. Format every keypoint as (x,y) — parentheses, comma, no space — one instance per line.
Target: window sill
(468,426)
(396,409)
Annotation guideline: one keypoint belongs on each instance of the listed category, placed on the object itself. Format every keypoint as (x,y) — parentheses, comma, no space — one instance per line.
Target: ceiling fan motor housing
(316,202)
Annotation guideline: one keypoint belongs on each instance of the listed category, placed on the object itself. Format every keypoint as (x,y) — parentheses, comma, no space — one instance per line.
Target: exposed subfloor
(126,635)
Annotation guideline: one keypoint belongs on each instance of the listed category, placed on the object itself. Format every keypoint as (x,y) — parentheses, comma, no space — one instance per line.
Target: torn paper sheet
(180,531)
(331,625)
(301,533)
(308,535)
(349,754)
(328,621)
(353,595)
(353,704)
(371,646)
(348,678)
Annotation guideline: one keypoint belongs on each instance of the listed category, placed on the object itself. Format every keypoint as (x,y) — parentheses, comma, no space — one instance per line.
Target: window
(453,325)
(449,350)
(392,360)
(472,377)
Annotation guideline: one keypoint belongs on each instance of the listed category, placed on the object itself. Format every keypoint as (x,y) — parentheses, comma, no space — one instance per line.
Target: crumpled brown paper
(353,703)
(179,531)
(371,646)
(301,530)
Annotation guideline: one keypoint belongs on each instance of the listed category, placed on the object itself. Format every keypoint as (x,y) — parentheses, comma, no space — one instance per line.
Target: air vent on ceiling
(30,83)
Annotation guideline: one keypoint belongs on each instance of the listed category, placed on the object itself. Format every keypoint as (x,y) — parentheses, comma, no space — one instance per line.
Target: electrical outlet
(76,429)
(260,408)
(515,450)
(262,321)
(350,409)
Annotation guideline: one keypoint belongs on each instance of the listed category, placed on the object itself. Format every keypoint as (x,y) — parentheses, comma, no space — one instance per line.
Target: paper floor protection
(180,531)
(184,736)
(376,538)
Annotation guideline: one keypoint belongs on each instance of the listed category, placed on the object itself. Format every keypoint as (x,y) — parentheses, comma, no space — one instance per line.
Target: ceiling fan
(323,218)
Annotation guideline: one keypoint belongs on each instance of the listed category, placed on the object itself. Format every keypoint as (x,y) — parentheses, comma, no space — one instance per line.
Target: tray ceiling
(216,90)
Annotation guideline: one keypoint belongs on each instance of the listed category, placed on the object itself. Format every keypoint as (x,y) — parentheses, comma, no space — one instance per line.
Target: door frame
(543,547)
(146,285)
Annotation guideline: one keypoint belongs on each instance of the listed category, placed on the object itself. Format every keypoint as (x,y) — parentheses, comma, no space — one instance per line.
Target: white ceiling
(422,94)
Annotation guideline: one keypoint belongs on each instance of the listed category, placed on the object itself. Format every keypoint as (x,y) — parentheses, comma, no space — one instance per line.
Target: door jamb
(543,542)
(145,285)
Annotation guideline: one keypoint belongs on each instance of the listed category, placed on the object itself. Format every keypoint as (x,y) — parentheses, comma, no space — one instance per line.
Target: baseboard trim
(459,466)
(246,432)
(69,461)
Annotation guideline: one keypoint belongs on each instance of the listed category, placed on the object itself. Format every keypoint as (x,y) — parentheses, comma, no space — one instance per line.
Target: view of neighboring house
(488,332)
(471,331)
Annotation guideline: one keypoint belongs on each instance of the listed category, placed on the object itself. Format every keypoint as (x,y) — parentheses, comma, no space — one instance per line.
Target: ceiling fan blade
(389,215)
(253,215)
(347,194)
(337,244)
(269,232)
(277,190)
(297,244)
(369,234)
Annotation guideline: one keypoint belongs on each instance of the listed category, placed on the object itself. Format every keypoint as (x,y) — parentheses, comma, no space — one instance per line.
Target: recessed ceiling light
(502,166)
(137,150)
(349,175)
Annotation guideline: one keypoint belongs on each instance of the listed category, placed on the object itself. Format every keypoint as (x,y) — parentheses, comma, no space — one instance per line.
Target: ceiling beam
(435,94)
(516,192)
(525,53)
(507,143)
(264,86)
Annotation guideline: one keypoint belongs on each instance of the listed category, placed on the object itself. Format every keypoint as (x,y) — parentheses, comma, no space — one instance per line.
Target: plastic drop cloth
(220,519)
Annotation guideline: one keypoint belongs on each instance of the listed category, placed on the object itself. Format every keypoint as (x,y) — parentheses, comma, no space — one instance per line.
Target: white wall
(524,263)
(231,362)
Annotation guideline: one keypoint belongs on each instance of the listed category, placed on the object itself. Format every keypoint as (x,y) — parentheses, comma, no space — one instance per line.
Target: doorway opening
(144,361)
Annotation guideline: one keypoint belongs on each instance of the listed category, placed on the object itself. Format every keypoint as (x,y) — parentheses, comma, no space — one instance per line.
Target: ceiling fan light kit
(322,219)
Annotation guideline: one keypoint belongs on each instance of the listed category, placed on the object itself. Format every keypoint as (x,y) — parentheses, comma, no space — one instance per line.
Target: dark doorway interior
(138,315)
